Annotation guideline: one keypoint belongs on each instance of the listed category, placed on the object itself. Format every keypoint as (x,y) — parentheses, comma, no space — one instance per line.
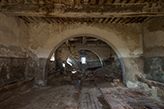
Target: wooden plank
(81,19)
(50,19)
(113,20)
(135,20)
(56,20)
(44,18)
(61,20)
(67,20)
(30,20)
(24,18)
(119,20)
(124,20)
(81,14)
(97,20)
(130,19)
(35,19)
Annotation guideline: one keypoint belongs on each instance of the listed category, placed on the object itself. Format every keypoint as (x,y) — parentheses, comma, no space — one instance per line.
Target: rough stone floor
(98,94)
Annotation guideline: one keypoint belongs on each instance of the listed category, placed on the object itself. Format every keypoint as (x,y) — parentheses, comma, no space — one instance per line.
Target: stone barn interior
(81,54)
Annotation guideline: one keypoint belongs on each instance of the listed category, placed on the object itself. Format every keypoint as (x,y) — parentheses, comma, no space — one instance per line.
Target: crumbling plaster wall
(13,50)
(153,33)
(125,39)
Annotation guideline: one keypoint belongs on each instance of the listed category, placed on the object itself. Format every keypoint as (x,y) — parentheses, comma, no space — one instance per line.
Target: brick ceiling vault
(80,11)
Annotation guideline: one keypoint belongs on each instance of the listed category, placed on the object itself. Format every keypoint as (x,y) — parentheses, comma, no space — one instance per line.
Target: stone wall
(37,42)
(153,33)
(12,70)
(125,39)
(14,57)
(13,50)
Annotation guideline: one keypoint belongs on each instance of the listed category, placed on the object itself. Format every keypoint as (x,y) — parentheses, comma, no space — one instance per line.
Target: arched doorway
(82,39)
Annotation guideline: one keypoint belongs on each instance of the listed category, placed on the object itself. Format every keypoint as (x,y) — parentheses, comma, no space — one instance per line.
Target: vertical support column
(41,76)
(133,68)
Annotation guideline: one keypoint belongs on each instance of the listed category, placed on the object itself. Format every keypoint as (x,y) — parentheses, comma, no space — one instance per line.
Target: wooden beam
(97,20)
(72,20)
(66,20)
(142,19)
(61,10)
(77,20)
(40,19)
(124,20)
(87,20)
(130,19)
(56,20)
(133,20)
(103,20)
(100,20)
(35,19)
(25,19)
(136,21)
(108,20)
(50,19)
(92,20)
(44,18)
(29,19)
(82,20)
(113,20)
(119,20)
(94,11)
(61,20)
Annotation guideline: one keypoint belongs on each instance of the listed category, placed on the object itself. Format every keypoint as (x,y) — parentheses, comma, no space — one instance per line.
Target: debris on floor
(97,94)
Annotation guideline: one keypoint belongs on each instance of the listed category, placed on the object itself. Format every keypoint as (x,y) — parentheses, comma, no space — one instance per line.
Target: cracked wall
(125,39)
(153,32)
(37,42)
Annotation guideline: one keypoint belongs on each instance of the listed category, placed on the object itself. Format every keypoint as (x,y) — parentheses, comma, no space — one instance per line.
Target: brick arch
(103,39)
(129,60)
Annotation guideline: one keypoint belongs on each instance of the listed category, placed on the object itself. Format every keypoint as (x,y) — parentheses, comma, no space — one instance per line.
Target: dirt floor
(77,94)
